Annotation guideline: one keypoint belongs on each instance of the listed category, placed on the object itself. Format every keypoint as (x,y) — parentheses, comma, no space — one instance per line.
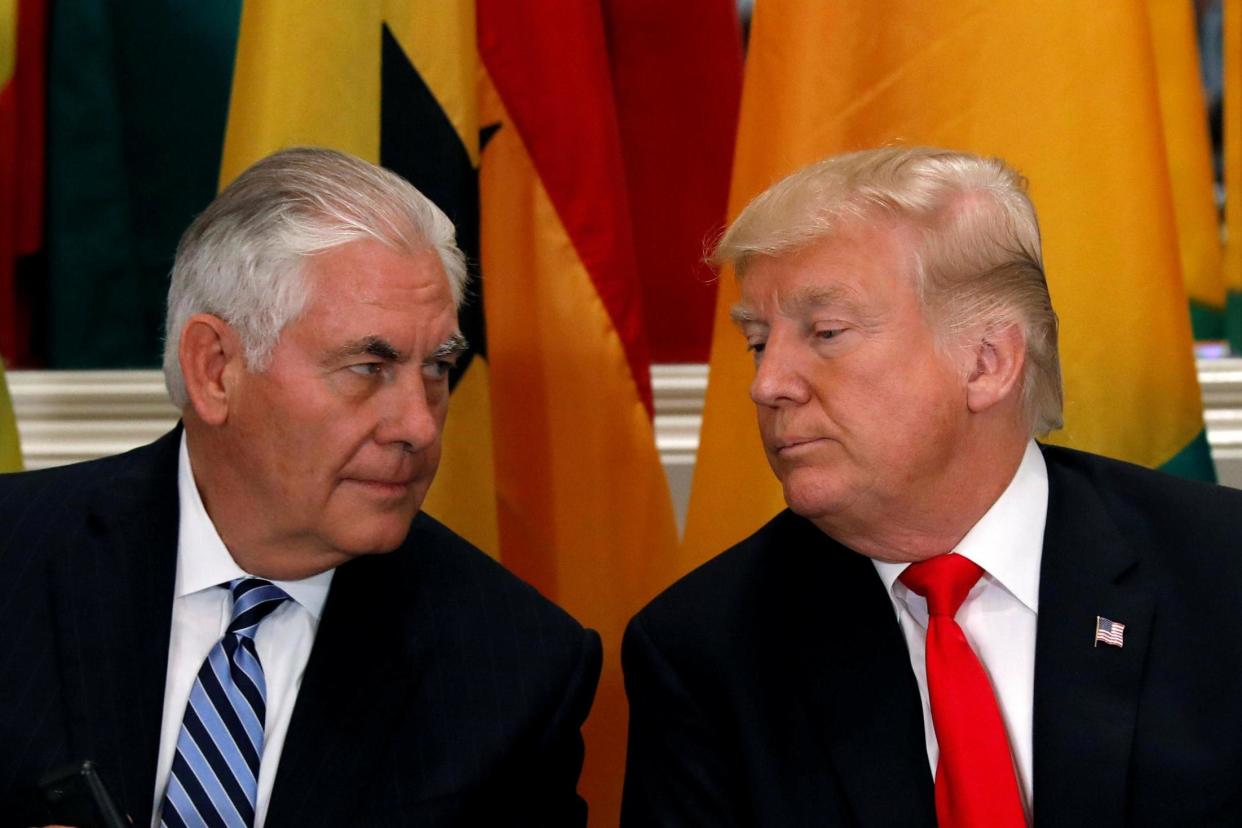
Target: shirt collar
(203,561)
(1008,540)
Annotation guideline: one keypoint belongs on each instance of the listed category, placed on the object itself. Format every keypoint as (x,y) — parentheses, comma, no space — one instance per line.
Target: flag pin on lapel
(1110,632)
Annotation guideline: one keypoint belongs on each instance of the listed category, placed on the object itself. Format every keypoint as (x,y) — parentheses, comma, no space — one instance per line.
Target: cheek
(927,425)
(308,449)
(765,416)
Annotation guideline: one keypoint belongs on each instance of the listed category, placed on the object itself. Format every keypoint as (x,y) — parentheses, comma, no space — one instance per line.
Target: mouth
(385,489)
(789,446)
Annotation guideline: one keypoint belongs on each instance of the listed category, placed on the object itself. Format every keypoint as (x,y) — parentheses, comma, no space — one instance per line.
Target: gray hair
(242,258)
(979,265)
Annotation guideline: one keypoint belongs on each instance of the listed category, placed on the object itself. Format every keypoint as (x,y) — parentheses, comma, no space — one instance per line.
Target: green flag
(137,98)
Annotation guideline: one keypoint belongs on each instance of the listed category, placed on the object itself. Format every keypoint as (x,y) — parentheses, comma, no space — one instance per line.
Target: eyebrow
(806,298)
(743,314)
(375,346)
(451,347)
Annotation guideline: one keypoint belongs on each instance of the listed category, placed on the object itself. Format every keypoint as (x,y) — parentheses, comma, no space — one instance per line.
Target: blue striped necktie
(214,780)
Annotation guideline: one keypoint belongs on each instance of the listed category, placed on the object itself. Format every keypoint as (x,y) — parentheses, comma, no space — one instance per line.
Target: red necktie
(975,782)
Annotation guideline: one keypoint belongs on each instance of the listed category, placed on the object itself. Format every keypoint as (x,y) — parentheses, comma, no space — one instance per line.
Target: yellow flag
(304,77)
(1067,93)
(10,446)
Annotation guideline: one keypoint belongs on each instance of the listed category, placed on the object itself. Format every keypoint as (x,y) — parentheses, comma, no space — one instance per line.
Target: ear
(210,355)
(996,375)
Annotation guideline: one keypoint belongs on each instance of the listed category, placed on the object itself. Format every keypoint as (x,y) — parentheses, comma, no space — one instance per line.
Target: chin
(810,500)
(376,540)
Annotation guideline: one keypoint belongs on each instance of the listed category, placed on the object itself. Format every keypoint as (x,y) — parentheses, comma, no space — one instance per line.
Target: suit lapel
(1086,696)
(859,687)
(114,593)
(355,683)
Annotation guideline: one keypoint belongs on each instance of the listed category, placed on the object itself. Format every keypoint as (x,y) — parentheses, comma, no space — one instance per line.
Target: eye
(438,369)
(367,369)
(829,333)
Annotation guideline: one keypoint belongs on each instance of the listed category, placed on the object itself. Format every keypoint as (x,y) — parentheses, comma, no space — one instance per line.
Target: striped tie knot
(253,600)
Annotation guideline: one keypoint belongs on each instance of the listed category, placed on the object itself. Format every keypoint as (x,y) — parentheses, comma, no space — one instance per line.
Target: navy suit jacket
(772,686)
(440,690)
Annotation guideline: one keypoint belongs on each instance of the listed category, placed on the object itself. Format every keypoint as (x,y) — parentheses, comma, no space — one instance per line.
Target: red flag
(677,71)
(22,35)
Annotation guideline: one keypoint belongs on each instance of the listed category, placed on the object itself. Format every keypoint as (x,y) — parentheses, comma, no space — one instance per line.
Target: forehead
(368,265)
(857,266)
(364,284)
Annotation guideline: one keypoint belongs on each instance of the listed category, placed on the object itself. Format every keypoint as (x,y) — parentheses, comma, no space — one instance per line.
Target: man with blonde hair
(250,622)
(951,624)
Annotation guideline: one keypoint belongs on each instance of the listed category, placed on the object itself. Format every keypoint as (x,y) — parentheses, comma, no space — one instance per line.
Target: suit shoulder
(723,596)
(55,478)
(1128,487)
(1186,531)
(778,542)
(45,495)
(454,565)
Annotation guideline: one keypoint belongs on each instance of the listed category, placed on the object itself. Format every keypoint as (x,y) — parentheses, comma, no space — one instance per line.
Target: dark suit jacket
(772,686)
(441,690)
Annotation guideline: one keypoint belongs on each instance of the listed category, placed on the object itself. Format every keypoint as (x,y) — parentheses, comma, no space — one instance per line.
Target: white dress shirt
(998,616)
(200,615)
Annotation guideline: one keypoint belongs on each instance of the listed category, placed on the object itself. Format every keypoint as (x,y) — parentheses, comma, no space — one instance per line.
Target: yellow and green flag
(1189,147)
(1233,171)
(1078,114)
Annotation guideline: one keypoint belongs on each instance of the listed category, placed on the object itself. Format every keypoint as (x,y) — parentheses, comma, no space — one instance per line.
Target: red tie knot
(944,581)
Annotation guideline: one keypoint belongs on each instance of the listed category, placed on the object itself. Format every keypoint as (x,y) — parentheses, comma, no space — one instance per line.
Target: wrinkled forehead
(838,269)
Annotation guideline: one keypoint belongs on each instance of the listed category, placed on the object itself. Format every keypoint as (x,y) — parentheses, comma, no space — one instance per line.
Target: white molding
(67,416)
(678,394)
(1220,381)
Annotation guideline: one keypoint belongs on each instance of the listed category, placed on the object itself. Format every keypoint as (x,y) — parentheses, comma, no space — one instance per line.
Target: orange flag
(1078,114)
(584,512)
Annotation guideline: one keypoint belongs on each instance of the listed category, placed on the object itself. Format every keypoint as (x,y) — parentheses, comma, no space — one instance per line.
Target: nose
(778,378)
(411,414)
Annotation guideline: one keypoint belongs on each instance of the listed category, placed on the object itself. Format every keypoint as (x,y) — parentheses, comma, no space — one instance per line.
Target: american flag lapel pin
(1110,632)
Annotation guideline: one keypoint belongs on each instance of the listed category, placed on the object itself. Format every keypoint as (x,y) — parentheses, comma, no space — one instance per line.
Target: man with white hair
(250,621)
(951,624)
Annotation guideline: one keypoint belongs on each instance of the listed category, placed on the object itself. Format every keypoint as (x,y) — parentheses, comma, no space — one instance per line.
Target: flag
(1110,632)
(584,507)
(1232,153)
(1185,122)
(22,35)
(508,123)
(8,171)
(10,447)
(392,82)
(677,118)
(1078,115)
